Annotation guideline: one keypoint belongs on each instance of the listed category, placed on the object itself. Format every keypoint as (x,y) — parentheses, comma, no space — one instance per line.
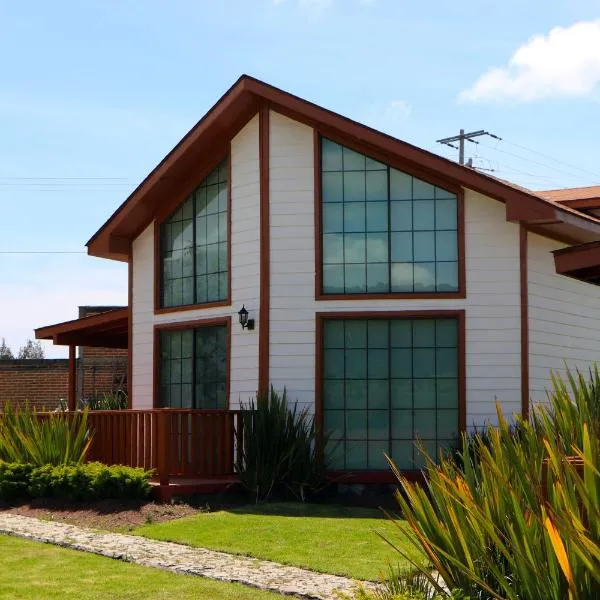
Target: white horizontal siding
(564,319)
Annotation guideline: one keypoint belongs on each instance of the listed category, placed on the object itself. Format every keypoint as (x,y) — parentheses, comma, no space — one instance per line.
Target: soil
(108,515)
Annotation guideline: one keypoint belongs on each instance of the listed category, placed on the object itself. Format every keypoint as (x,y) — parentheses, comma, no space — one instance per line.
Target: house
(394,292)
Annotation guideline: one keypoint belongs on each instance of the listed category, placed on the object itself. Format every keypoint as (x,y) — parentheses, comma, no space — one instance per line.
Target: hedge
(73,483)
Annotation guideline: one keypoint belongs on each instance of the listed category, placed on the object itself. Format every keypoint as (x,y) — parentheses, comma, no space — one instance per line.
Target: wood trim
(194,324)
(72,392)
(265,253)
(109,320)
(320,317)
(130,329)
(318,219)
(524,321)
(165,213)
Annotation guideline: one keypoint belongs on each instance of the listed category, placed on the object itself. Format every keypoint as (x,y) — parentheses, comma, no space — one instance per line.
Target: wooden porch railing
(174,442)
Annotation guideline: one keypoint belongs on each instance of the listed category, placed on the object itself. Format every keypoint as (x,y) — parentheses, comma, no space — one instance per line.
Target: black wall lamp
(245,322)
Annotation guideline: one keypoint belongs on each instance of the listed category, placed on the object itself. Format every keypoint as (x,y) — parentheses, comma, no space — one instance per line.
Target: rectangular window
(386,384)
(193,367)
(194,246)
(384,231)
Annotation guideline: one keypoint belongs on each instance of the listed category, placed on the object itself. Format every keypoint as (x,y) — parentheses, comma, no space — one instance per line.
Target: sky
(93,95)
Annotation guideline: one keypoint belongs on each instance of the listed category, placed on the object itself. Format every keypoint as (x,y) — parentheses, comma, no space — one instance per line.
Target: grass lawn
(331,539)
(34,570)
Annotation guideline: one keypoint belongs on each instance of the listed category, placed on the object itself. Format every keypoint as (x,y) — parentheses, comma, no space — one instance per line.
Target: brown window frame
(165,212)
(395,163)
(193,324)
(368,476)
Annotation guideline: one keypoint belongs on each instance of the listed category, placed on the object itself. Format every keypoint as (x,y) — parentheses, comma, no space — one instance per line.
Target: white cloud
(388,117)
(564,63)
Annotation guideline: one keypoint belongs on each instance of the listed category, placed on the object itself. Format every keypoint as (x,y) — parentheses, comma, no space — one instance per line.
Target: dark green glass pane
(423,449)
(445,245)
(213,177)
(223,285)
(223,171)
(402,246)
(333,364)
(424,277)
(379,394)
(356,455)
(442,193)
(187,234)
(187,263)
(221,396)
(354,248)
(447,393)
(402,277)
(176,371)
(447,362)
(378,280)
(333,423)
(212,229)
(201,231)
(176,266)
(201,289)
(167,293)
(424,246)
(377,216)
(223,198)
(333,220)
(223,227)
(377,459)
(402,454)
(401,333)
(222,256)
(333,334)
(331,155)
(356,394)
(355,279)
(187,209)
(212,258)
(445,214)
(424,333)
(201,201)
(423,215)
(165,236)
(334,455)
(447,424)
(401,363)
(333,394)
(447,276)
(165,396)
(446,333)
(187,290)
(212,285)
(186,395)
(333,248)
(379,424)
(378,331)
(424,393)
(425,424)
(178,292)
(400,185)
(176,233)
(187,343)
(422,190)
(175,396)
(402,425)
(374,165)
(378,364)
(356,364)
(356,424)
(333,279)
(402,216)
(355,333)
(332,187)
(377,185)
(354,186)
(353,161)
(424,362)
(354,217)
(212,200)
(377,247)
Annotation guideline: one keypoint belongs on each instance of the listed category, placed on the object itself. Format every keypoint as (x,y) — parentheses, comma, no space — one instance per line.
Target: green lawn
(331,539)
(33,570)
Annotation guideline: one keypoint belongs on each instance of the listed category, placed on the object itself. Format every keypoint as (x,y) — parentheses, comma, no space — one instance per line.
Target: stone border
(262,574)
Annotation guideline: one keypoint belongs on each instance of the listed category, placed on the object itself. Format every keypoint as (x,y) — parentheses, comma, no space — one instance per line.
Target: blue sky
(93,94)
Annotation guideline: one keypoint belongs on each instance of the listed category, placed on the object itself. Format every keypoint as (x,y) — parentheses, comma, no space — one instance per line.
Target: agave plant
(49,439)
(517,518)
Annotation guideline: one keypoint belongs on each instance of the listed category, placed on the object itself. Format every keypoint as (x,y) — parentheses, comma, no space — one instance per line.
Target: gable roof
(208,140)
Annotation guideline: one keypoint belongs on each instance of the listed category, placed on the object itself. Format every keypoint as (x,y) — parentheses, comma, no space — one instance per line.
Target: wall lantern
(245,322)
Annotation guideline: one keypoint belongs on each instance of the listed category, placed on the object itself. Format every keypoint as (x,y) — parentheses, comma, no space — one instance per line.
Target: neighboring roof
(105,330)
(570,194)
(210,137)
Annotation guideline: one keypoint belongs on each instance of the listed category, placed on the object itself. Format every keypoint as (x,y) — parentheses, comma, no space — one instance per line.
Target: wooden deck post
(72,380)
(162,443)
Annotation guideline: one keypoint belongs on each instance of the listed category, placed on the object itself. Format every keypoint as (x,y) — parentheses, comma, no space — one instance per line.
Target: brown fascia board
(575,258)
(99,322)
(242,101)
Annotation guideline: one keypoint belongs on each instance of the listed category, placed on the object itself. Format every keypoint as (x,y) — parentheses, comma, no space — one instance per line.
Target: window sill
(395,296)
(187,307)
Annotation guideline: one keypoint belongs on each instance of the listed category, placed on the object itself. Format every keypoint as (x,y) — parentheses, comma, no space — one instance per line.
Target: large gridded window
(386,384)
(193,367)
(193,246)
(384,231)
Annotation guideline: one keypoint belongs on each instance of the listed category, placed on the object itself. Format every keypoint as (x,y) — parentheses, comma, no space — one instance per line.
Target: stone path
(262,574)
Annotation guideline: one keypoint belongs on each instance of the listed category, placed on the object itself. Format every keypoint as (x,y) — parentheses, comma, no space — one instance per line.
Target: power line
(461,138)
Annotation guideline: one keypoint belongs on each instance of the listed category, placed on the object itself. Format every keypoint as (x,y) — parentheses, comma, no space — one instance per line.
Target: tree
(31,350)
(5,351)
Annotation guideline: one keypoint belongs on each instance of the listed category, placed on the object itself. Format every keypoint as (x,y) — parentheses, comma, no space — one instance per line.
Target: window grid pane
(193,368)
(416,246)
(388,385)
(194,245)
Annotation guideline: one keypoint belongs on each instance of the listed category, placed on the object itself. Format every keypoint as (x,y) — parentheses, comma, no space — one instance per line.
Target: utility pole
(461,137)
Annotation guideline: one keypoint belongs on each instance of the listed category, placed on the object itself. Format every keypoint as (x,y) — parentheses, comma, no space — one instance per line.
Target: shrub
(279,452)
(109,401)
(73,483)
(53,439)
(514,518)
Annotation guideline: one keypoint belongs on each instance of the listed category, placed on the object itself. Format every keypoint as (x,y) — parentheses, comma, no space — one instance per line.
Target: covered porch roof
(105,330)
(580,262)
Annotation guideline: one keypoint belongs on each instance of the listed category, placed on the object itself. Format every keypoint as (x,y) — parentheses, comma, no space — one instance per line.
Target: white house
(394,292)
